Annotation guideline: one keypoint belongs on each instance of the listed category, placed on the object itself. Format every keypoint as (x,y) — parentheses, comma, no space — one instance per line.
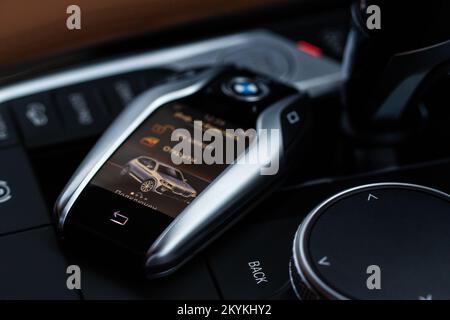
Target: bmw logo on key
(246,89)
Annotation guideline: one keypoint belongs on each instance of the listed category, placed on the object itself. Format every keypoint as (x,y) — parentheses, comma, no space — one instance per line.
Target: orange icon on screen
(161,129)
(149,141)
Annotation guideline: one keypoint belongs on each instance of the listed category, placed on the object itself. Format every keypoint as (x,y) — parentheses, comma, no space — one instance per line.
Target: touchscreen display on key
(164,164)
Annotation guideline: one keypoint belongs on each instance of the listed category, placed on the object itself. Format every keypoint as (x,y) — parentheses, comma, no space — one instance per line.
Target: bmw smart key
(181,163)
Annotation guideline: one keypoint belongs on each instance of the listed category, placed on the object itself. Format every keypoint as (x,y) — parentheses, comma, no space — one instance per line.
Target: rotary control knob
(380,241)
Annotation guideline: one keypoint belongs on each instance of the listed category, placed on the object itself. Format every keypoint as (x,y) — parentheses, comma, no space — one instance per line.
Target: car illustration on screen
(155,176)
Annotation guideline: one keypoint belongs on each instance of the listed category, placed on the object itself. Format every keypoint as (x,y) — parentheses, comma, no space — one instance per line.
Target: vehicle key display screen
(143,170)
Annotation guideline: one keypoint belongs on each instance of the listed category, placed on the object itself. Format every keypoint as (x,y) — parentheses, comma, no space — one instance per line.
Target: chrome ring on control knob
(379,241)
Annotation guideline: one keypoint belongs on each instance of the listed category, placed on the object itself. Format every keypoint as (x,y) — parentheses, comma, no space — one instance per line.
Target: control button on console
(5,192)
(21,205)
(250,263)
(246,89)
(83,111)
(7,133)
(38,121)
(33,267)
(100,281)
(120,91)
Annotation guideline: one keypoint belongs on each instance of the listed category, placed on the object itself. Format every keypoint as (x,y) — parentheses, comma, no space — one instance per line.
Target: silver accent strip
(314,75)
(139,62)
(303,266)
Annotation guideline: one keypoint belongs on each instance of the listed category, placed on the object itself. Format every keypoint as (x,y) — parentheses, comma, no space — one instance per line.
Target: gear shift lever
(385,67)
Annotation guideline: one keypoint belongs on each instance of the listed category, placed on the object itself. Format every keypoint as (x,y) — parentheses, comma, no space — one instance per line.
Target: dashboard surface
(42,141)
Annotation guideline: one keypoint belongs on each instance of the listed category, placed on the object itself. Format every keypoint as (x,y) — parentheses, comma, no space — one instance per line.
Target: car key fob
(181,163)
